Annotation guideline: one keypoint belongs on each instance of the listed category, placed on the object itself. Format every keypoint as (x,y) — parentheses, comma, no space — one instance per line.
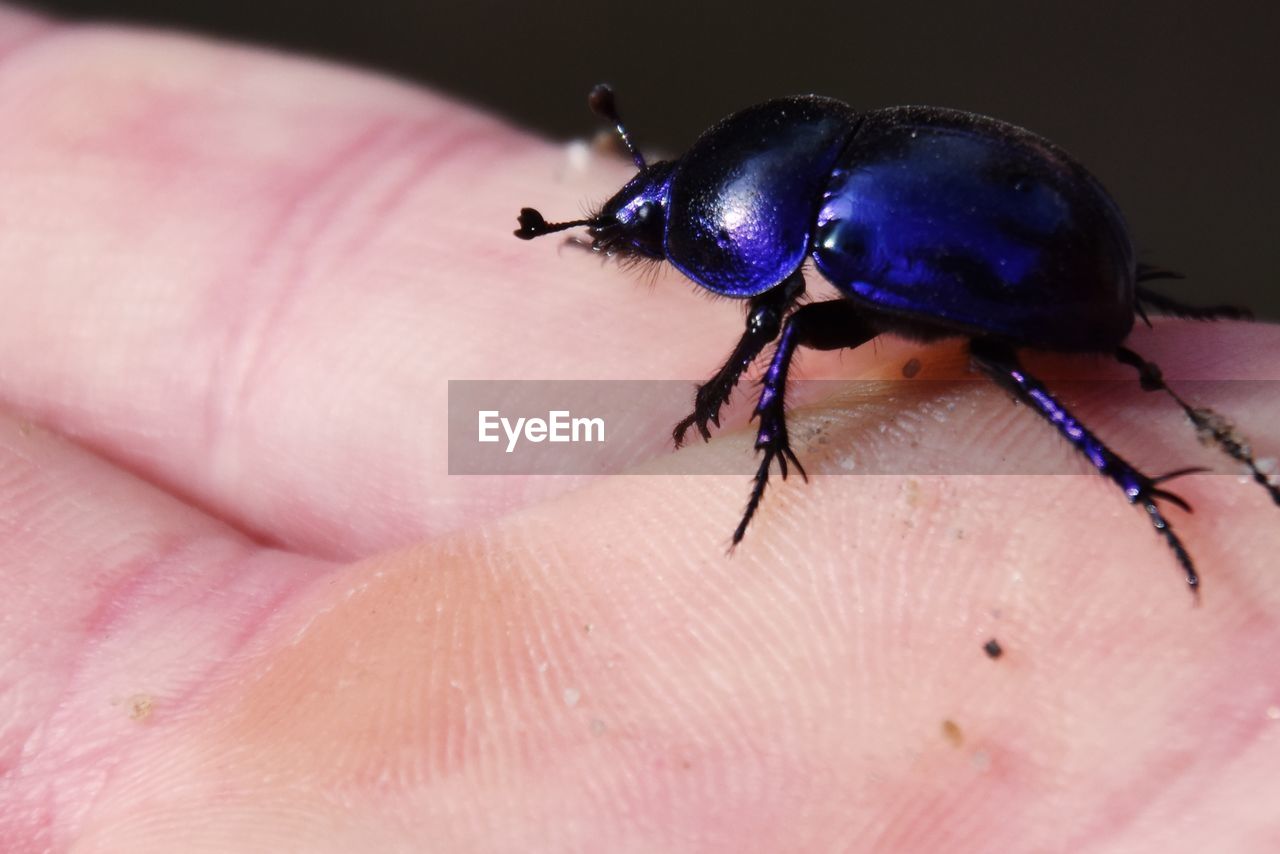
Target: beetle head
(632,222)
(629,224)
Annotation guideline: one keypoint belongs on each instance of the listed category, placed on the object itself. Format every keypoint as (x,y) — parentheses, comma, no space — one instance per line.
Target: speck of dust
(1273,712)
(139,706)
(572,696)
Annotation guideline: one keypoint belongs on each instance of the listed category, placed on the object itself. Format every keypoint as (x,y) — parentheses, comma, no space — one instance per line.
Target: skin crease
(247,609)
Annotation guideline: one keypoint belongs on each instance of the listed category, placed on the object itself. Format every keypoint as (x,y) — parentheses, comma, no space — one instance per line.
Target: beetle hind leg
(831,325)
(1212,428)
(999,362)
(1147,298)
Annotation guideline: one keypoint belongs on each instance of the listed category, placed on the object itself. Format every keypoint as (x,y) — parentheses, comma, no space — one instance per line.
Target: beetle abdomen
(742,200)
(980,225)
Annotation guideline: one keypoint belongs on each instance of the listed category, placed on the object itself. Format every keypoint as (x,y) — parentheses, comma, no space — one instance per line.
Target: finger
(249,278)
(619,683)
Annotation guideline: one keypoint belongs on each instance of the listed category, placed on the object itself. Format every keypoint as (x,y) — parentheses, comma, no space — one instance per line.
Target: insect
(931,223)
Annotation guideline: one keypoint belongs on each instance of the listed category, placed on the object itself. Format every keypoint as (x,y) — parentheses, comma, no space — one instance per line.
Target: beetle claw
(1179,473)
(787,452)
(1171,497)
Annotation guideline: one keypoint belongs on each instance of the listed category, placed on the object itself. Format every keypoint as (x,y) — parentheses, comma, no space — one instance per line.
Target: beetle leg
(1173,308)
(831,325)
(999,362)
(1211,427)
(1147,272)
(764,321)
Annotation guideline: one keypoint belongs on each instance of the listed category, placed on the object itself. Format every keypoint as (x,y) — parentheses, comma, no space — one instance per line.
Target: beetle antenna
(602,103)
(533,225)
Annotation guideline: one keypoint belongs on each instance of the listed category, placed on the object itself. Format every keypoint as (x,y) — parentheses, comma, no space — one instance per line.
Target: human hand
(246,607)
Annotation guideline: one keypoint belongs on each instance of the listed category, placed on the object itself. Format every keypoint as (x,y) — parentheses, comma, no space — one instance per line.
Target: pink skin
(246,608)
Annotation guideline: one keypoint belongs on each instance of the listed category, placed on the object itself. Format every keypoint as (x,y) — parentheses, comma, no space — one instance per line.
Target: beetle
(931,223)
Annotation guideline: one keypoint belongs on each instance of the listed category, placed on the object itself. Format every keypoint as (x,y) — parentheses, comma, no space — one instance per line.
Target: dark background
(1173,106)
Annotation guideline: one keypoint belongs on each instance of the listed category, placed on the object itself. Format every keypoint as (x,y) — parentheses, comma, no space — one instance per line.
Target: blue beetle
(931,223)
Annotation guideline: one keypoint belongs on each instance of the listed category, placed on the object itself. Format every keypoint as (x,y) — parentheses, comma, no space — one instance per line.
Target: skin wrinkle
(81,730)
(301,219)
(327,220)
(432,151)
(99,618)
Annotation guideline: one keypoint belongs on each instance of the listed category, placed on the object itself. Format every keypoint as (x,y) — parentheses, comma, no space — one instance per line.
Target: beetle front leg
(999,362)
(832,325)
(764,321)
